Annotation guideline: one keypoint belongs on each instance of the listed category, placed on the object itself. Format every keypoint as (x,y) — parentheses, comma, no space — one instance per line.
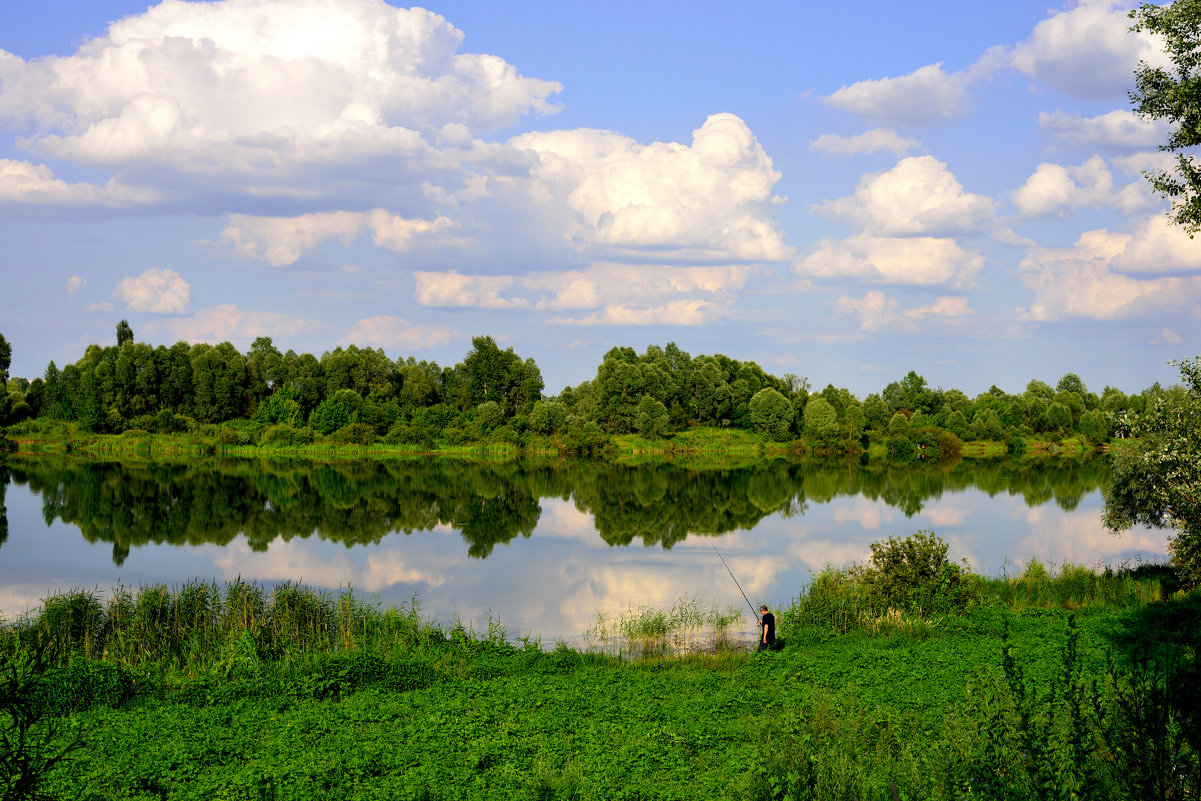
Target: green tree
(6,357)
(124,333)
(1157,477)
(821,421)
(1174,96)
(771,414)
(898,426)
(652,417)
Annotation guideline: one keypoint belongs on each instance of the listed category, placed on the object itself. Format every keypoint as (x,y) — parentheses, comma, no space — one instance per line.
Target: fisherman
(767,621)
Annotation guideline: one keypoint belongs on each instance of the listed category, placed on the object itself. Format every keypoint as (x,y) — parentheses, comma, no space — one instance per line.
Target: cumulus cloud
(873,141)
(603,294)
(1081,281)
(262,88)
(917,196)
(75,285)
(394,332)
(1055,190)
(708,200)
(454,290)
(1087,51)
(1115,131)
(228,322)
(1157,246)
(281,241)
(878,312)
(895,260)
(22,182)
(156,291)
(926,95)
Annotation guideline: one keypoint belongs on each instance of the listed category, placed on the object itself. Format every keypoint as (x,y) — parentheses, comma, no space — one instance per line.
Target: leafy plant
(31,743)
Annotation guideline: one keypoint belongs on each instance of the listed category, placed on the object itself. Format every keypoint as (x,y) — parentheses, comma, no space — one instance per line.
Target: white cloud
(710,200)
(1157,246)
(23,182)
(926,95)
(605,294)
(1167,336)
(281,241)
(264,87)
(75,285)
(1055,190)
(877,312)
(455,290)
(397,233)
(1087,51)
(895,260)
(394,332)
(685,312)
(100,307)
(228,322)
(1080,282)
(156,291)
(1116,130)
(917,196)
(873,141)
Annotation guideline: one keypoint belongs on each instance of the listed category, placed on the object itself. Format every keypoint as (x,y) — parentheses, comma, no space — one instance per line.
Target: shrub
(354,434)
(913,574)
(286,435)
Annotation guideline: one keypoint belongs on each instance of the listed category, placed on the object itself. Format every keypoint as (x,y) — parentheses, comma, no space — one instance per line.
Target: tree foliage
(1157,478)
(1174,96)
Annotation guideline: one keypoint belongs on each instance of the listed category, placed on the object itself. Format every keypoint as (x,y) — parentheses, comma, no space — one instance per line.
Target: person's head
(763,608)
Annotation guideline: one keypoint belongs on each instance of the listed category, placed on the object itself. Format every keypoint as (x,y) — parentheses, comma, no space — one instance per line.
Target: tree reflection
(361,502)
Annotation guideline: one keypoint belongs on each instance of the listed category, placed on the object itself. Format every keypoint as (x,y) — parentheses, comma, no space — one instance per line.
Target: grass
(238,691)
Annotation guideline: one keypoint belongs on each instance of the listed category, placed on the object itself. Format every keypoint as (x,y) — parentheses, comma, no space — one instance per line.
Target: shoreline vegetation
(201,398)
(907,672)
(722,446)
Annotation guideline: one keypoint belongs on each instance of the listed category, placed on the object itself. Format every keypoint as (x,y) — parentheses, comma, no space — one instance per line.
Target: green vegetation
(1175,97)
(1001,692)
(134,398)
(1157,478)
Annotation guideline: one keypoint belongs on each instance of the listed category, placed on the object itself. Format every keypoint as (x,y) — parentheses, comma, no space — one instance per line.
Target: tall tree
(1174,96)
(6,357)
(124,333)
(1157,477)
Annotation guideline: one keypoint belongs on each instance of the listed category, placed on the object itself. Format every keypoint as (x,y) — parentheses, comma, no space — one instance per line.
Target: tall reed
(200,625)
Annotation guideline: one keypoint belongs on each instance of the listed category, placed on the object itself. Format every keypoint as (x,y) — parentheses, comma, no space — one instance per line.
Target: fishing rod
(736,584)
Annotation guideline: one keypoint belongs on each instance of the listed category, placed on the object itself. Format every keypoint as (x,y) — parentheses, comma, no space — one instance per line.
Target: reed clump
(1072,587)
(687,627)
(201,626)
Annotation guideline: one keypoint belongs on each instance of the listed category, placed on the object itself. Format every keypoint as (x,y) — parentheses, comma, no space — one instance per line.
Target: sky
(844,192)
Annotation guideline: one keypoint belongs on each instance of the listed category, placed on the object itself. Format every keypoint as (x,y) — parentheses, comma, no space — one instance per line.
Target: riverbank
(700,446)
(989,702)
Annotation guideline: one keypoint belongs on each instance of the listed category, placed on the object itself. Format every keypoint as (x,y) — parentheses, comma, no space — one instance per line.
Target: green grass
(241,692)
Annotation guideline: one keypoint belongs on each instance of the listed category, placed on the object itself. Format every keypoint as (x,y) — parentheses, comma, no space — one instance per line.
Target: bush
(354,434)
(285,435)
(914,575)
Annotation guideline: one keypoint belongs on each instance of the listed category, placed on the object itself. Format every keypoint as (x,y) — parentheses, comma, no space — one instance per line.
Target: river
(541,548)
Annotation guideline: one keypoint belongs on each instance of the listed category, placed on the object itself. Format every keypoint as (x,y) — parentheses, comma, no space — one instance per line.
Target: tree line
(361,396)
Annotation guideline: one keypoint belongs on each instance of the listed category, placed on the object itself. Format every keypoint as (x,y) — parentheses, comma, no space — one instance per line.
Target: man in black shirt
(768,623)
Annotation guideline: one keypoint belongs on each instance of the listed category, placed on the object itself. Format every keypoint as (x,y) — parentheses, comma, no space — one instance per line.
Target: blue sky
(842,192)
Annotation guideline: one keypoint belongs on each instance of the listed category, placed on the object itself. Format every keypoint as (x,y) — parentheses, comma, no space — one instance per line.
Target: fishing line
(736,584)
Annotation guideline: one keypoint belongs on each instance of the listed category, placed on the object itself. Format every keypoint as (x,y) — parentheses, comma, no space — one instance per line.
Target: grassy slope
(507,723)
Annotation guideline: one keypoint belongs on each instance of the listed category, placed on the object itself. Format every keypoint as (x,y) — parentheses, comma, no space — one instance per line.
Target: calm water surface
(543,548)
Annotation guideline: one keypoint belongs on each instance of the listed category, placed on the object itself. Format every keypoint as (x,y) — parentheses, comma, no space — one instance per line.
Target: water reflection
(362,502)
(532,544)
